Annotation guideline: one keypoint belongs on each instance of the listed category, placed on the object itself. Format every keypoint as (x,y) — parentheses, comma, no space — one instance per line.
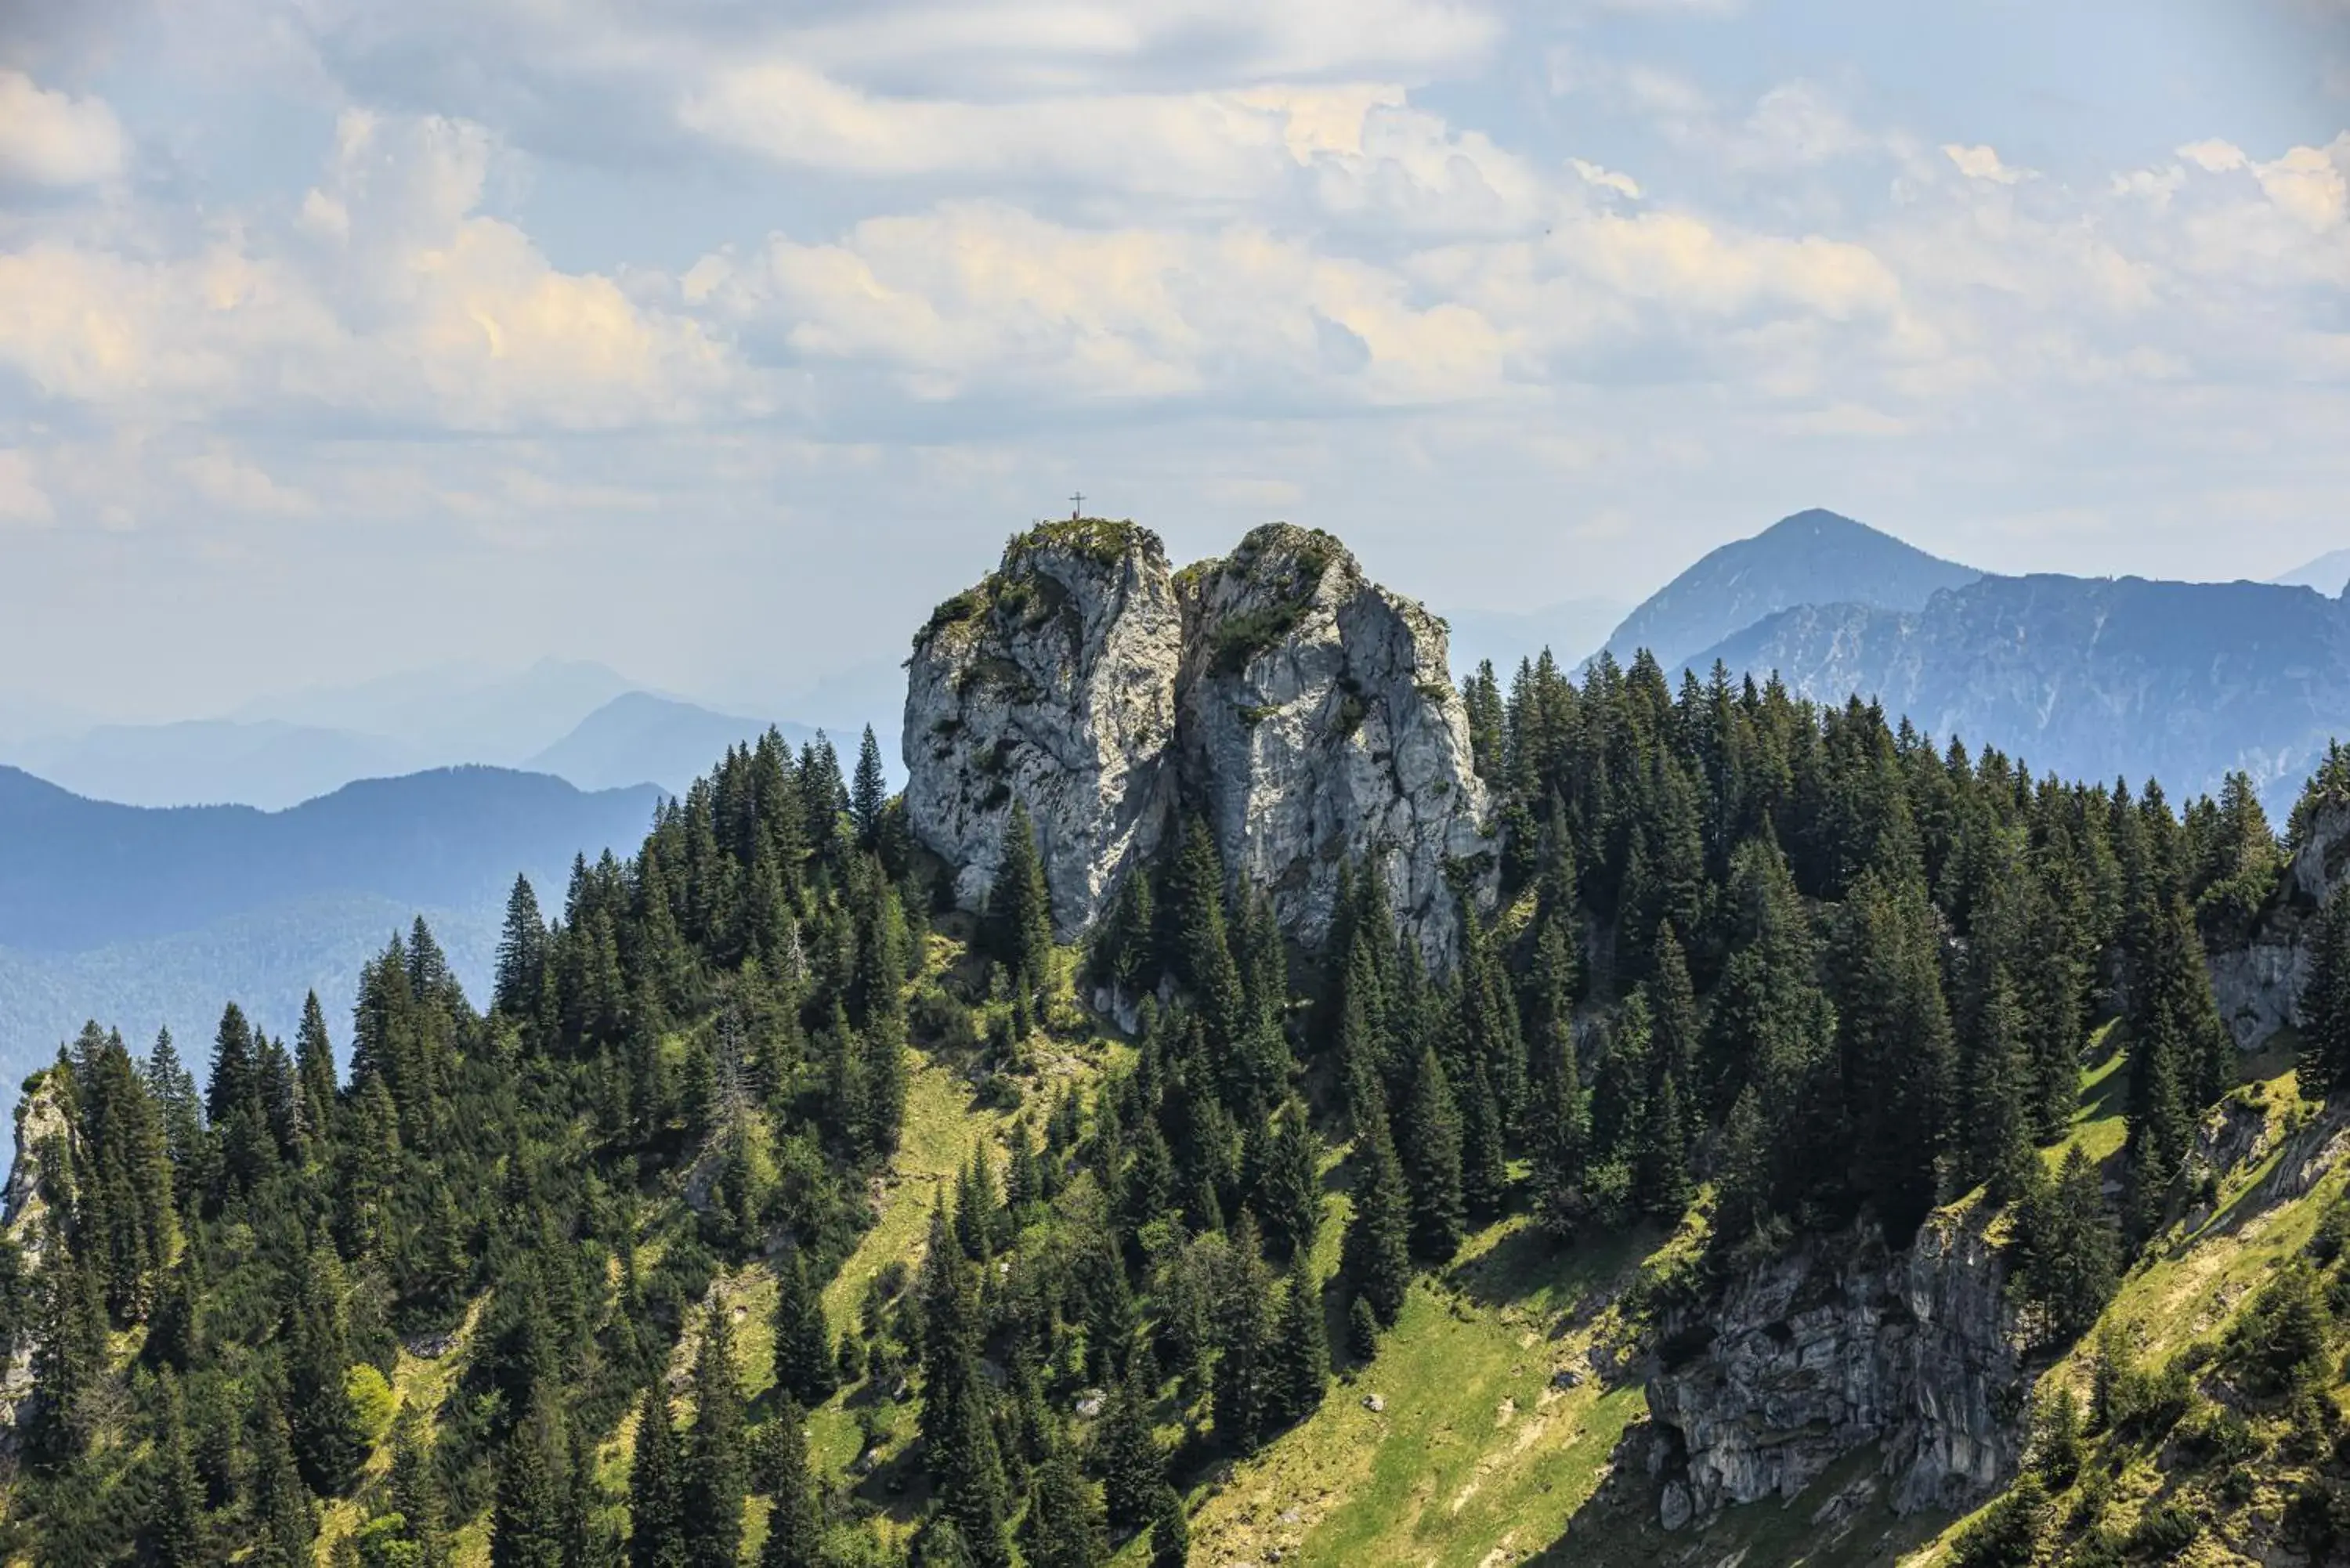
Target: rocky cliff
(2258,984)
(1830,1348)
(1307,715)
(43,1131)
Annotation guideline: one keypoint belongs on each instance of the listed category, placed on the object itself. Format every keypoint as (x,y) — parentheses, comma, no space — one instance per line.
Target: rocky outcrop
(1836,1346)
(2259,984)
(43,1126)
(1320,726)
(1053,684)
(1305,713)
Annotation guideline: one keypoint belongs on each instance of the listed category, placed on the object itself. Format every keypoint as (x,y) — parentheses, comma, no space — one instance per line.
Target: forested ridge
(1759,969)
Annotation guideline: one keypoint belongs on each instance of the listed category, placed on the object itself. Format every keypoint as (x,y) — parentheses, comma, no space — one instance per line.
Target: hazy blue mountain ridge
(146,917)
(640,738)
(2088,677)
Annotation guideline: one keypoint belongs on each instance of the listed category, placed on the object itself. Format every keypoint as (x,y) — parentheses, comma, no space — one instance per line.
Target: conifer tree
(328,1441)
(1064,1525)
(656,1489)
(521,953)
(713,1469)
(175,1527)
(1170,1531)
(1132,1467)
(526,1520)
(1018,928)
(958,1436)
(804,1359)
(1194,940)
(283,1513)
(1302,1348)
(1431,1161)
(1244,1328)
(795,1522)
(417,1492)
(1485,1167)
(1377,1256)
(868,792)
(313,1058)
(2325,1055)
(1999,1133)
(1291,1189)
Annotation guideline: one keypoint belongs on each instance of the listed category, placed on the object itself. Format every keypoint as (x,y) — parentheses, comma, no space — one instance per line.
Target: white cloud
(1983,163)
(972,297)
(1605,179)
(399,302)
(1355,148)
(54,140)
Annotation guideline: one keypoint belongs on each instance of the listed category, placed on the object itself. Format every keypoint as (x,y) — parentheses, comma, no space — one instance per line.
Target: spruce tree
(713,1467)
(656,1488)
(1132,1467)
(1998,1121)
(417,1491)
(313,1058)
(1243,1330)
(1170,1531)
(2325,1055)
(795,1522)
(868,792)
(1064,1525)
(1301,1370)
(1018,928)
(283,1513)
(1362,1330)
(1484,1166)
(521,953)
(1377,1256)
(176,1525)
(958,1436)
(1290,1192)
(526,1519)
(1430,1127)
(804,1359)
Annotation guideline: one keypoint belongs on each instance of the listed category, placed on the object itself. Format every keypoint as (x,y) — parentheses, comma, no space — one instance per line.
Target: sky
(718,341)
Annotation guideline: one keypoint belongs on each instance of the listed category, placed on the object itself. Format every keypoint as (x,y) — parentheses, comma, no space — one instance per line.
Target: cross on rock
(1076,505)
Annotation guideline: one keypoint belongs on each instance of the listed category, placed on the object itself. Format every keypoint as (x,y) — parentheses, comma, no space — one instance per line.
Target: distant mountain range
(581,721)
(146,917)
(2089,677)
(1811,558)
(639,738)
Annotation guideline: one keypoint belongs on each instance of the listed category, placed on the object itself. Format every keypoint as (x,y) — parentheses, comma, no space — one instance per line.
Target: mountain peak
(1813,557)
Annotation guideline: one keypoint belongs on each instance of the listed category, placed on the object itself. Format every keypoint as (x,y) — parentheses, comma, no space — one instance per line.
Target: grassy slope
(2191,1284)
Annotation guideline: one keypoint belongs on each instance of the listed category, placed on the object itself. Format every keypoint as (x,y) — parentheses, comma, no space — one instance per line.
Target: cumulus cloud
(396,301)
(53,139)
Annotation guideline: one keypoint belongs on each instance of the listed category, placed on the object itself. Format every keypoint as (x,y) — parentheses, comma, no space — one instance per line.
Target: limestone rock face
(41,1125)
(1821,1352)
(1320,726)
(1052,683)
(2259,984)
(1305,714)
